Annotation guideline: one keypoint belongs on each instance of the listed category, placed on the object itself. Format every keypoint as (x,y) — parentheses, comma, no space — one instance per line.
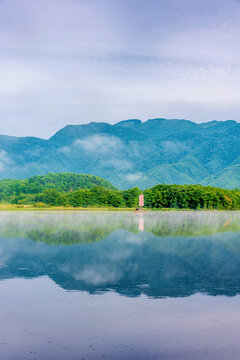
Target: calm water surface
(161,285)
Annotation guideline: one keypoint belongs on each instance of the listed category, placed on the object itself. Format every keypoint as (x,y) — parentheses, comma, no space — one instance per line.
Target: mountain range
(132,153)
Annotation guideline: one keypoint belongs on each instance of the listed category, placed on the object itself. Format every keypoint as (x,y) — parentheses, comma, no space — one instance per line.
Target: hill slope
(62,182)
(132,153)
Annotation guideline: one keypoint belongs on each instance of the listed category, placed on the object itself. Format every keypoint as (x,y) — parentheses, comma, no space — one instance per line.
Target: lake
(119,285)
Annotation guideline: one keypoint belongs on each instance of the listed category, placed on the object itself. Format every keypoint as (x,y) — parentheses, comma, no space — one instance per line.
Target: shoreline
(14,207)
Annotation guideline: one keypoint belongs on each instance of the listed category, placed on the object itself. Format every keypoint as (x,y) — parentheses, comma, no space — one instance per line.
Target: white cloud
(96,276)
(120,164)
(101,144)
(4,257)
(99,63)
(133,176)
(19,77)
(5,160)
(174,147)
(66,149)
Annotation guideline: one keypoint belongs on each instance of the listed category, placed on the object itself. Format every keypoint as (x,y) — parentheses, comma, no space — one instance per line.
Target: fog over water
(89,285)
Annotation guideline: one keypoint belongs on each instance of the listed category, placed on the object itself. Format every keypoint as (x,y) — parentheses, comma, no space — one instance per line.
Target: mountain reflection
(177,254)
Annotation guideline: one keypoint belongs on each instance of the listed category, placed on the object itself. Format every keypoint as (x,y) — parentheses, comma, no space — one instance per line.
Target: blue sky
(75,61)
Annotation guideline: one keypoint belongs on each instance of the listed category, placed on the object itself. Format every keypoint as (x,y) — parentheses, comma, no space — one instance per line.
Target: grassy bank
(20,207)
(17,207)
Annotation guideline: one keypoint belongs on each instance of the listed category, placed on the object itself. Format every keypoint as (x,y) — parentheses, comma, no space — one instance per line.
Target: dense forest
(80,190)
(15,190)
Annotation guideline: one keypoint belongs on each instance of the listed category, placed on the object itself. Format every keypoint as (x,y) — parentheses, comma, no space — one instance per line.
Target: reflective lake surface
(103,285)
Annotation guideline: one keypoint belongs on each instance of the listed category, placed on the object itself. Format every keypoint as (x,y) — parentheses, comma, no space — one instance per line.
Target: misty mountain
(132,153)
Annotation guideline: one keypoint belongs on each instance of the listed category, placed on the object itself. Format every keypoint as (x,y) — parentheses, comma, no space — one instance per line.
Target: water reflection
(177,254)
(141,224)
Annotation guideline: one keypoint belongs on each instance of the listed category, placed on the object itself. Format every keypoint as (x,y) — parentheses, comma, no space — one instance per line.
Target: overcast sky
(75,61)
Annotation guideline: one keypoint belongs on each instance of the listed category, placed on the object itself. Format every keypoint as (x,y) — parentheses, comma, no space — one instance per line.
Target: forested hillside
(132,153)
(78,190)
(63,182)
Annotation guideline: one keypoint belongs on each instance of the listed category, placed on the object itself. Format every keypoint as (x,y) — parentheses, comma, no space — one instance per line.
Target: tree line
(160,196)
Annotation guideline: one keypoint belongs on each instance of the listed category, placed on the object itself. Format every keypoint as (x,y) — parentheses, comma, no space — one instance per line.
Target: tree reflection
(177,254)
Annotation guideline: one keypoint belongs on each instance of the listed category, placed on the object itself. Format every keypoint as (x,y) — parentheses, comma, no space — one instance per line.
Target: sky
(76,61)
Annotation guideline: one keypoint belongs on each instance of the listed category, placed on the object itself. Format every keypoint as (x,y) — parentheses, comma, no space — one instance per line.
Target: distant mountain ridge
(132,152)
